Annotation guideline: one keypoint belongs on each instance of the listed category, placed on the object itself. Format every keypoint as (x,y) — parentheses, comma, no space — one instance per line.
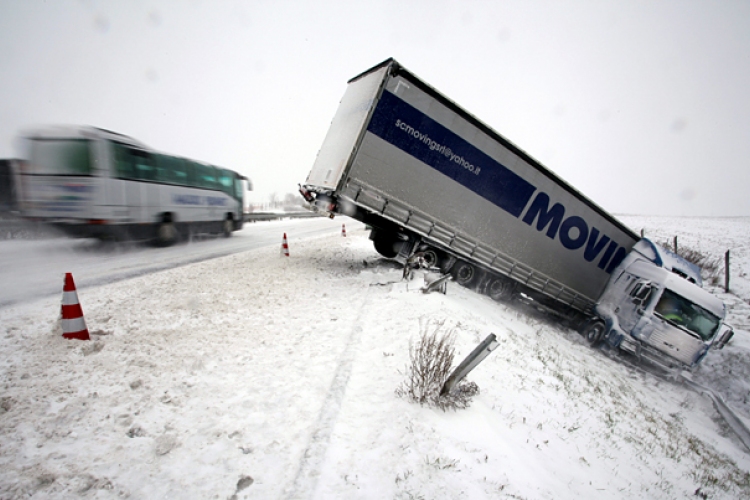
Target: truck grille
(676,344)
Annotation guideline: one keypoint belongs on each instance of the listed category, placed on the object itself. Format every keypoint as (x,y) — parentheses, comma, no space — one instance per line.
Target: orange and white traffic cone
(73,324)
(285,247)
(343,230)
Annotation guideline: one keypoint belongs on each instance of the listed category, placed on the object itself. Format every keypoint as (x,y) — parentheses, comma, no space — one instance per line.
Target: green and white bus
(92,182)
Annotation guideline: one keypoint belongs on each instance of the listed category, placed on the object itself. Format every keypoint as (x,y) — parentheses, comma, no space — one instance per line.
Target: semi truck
(8,182)
(432,181)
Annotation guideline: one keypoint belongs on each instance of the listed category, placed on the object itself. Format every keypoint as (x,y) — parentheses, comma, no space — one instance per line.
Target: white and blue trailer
(431,179)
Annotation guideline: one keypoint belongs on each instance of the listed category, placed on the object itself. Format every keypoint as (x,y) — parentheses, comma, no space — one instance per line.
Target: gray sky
(643,106)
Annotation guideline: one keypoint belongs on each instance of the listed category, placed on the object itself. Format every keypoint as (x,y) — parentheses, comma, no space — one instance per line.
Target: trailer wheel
(386,246)
(464,273)
(594,333)
(430,258)
(500,289)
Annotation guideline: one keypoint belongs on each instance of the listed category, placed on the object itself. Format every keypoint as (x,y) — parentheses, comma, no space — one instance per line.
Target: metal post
(675,244)
(472,360)
(642,233)
(726,272)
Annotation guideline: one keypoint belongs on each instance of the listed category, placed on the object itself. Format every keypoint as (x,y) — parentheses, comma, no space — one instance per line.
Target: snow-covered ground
(260,376)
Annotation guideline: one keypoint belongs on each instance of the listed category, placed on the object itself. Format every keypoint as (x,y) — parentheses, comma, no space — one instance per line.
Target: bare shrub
(431,362)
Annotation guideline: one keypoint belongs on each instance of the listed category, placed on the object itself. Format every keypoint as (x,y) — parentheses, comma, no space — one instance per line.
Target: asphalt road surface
(33,269)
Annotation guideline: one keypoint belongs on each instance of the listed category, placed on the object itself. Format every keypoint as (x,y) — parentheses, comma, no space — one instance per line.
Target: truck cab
(654,307)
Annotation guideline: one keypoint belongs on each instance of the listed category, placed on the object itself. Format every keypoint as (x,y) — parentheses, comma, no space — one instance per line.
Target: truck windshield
(59,157)
(681,312)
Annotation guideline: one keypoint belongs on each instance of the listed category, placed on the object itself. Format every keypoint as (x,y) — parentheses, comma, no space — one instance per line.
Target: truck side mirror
(724,336)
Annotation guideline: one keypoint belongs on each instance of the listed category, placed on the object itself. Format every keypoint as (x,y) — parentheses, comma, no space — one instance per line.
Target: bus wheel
(594,333)
(166,234)
(226,227)
(464,273)
(499,289)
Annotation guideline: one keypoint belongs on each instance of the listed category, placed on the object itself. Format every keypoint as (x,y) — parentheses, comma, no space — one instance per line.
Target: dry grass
(430,365)
(712,268)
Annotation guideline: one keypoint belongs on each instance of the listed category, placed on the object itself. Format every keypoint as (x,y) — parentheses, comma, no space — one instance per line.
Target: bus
(92,182)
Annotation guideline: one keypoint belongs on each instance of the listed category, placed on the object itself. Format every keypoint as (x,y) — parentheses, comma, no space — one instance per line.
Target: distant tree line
(289,202)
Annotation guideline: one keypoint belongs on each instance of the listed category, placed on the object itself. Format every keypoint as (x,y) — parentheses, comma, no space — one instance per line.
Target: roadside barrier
(73,324)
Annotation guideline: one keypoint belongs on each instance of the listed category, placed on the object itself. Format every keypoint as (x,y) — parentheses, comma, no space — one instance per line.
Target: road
(33,269)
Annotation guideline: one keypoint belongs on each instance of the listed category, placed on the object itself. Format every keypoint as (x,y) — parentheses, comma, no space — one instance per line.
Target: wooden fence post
(726,272)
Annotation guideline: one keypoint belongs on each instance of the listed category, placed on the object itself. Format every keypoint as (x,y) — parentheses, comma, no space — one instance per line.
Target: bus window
(239,192)
(190,174)
(191,169)
(60,156)
(170,169)
(178,171)
(158,167)
(163,164)
(206,176)
(143,163)
(226,183)
(124,162)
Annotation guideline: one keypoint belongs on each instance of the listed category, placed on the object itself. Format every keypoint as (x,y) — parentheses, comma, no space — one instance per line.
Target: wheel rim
(430,258)
(498,289)
(465,274)
(594,333)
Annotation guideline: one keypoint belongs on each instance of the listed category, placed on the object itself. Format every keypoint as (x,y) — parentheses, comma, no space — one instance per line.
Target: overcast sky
(643,106)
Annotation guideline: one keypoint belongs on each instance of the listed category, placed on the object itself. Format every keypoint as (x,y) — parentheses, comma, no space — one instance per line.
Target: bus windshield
(681,312)
(60,157)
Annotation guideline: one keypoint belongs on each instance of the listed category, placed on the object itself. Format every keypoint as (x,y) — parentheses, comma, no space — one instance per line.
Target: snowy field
(260,376)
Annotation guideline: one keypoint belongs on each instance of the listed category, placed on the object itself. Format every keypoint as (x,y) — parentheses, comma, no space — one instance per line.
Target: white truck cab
(654,307)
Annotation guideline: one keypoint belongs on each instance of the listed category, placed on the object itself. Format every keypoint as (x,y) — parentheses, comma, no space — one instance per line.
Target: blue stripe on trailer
(418,135)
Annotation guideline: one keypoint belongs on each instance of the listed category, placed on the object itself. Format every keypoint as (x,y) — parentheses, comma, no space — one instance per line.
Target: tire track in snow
(306,478)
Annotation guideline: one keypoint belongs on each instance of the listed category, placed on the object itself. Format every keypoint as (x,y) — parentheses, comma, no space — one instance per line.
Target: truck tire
(500,289)
(593,332)
(386,246)
(464,273)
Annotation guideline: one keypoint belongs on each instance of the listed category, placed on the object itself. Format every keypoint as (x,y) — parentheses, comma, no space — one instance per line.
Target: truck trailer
(433,181)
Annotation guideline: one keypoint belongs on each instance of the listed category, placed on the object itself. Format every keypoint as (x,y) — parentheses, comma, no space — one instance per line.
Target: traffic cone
(73,324)
(343,230)
(284,247)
